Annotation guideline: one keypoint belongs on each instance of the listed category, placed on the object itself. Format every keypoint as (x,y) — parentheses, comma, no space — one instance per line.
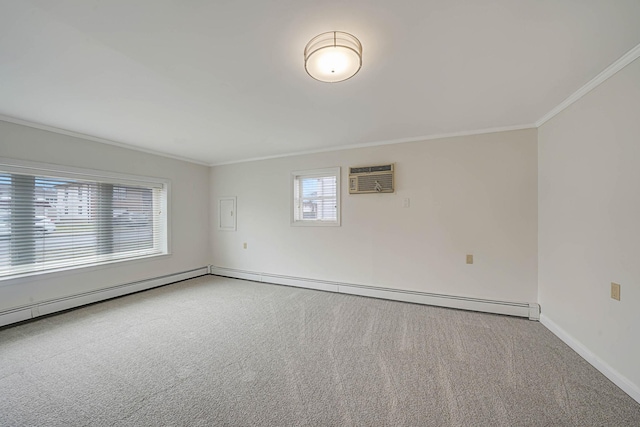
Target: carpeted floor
(216,351)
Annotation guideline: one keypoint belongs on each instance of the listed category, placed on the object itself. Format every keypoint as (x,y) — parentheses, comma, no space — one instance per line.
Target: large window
(316,197)
(52,219)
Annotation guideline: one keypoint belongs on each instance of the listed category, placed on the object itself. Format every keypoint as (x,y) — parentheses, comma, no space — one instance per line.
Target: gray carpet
(216,351)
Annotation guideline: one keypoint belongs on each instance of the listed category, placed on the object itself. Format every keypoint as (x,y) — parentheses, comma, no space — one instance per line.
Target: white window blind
(51,221)
(316,197)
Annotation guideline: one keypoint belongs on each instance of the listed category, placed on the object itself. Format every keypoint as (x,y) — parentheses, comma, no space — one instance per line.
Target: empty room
(340,213)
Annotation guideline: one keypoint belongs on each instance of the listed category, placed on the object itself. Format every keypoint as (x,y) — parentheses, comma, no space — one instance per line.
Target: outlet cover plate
(615,291)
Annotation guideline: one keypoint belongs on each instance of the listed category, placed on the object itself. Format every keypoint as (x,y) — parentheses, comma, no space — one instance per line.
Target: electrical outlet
(469,259)
(244,245)
(406,202)
(615,291)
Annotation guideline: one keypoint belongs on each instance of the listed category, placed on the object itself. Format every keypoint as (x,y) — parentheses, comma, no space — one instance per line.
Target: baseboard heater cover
(52,306)
(528,310)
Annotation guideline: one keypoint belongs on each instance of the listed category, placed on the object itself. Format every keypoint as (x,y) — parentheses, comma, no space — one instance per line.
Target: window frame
(314,173)
(23,167)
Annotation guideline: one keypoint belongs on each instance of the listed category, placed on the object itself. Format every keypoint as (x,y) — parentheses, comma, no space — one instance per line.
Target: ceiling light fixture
(333,57)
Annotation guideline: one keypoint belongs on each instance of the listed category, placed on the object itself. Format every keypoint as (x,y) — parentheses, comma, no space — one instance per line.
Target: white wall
(589,209)
(468,195)
(189,212)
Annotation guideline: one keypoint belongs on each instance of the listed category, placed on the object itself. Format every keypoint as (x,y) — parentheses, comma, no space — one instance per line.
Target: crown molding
(379,143)
(608,72)
(73,134)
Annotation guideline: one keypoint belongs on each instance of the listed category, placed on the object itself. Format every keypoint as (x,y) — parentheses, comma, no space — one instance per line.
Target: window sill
(79,269)
(315,224)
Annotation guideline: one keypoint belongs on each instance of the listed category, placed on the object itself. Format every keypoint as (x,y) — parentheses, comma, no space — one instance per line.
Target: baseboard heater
(528,310)
(52,306)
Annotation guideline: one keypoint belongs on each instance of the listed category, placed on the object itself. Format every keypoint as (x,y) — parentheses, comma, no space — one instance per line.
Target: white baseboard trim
(528,310)
(52,306)
(618,379)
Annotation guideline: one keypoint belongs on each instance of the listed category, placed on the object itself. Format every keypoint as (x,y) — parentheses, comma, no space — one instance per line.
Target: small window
(316,197)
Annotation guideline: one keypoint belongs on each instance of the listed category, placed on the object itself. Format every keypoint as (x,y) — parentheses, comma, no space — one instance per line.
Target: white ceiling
(222,81)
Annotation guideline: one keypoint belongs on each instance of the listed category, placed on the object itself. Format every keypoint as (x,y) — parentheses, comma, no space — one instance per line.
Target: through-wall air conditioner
(371,179)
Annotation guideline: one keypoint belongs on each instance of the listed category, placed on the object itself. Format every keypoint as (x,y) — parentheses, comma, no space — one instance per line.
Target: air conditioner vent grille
(368,169)
(369,183)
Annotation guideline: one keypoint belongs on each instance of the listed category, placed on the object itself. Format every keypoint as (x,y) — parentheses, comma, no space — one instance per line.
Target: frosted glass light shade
(333,57)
